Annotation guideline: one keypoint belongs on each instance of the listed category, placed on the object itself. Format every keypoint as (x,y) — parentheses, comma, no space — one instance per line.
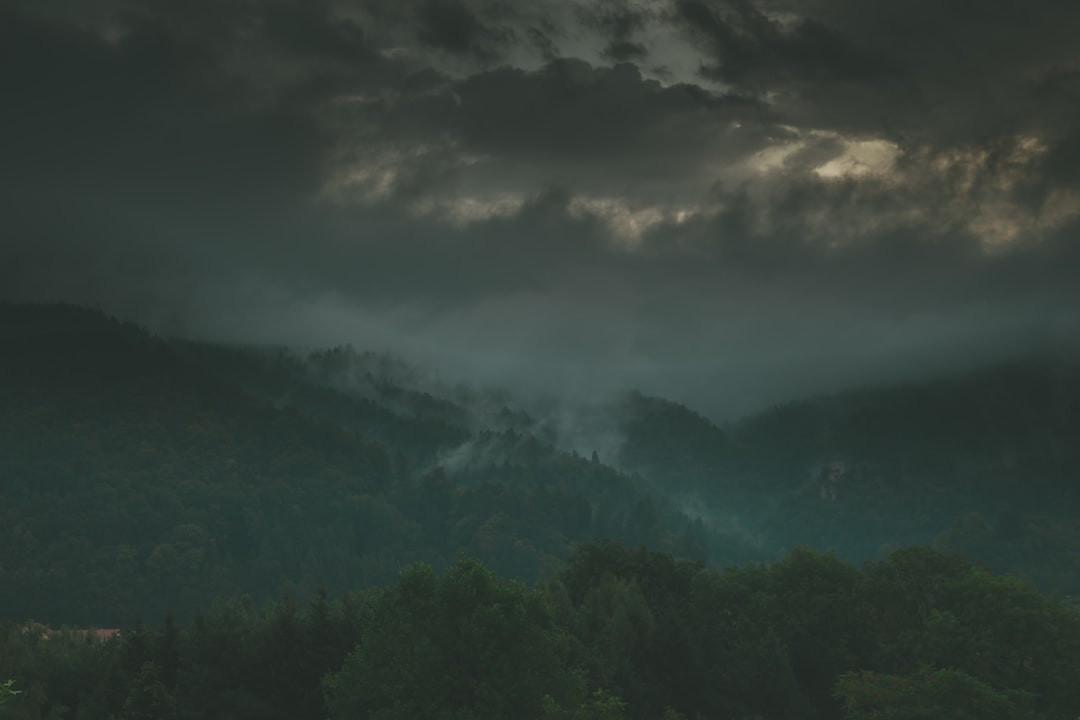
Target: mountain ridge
(136,461)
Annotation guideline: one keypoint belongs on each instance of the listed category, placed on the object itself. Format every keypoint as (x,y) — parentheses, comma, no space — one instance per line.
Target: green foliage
(1040,546)
(149,699)
(601,705)
(618,634)
(771,641)
(928,695)
(981,462)
(669,441)
(464,645)
(8,692)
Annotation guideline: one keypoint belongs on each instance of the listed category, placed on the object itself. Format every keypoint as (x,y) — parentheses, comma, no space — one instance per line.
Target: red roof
(99,634)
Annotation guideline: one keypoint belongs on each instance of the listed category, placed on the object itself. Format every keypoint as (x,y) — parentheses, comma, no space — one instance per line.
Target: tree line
(617,633)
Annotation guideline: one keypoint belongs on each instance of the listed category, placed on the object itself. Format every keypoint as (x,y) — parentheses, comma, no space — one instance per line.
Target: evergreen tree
(149,699)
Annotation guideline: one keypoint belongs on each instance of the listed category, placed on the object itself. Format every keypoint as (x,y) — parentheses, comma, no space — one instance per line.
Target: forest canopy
(616,633)
(193,530)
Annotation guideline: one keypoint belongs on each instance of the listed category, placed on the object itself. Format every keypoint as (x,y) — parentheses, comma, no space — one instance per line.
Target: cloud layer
(726,202)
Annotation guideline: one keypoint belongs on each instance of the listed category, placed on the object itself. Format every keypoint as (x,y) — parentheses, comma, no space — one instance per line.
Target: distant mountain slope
(325,386)
(985,462)
(666,440)
(1000,438)
(138,473)
(1024,414)
(1026,411)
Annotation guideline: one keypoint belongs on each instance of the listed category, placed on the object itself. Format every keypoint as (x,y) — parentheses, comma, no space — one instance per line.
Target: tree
(928,695)
(602,705)
(7,692)
(465,645)
(149,699)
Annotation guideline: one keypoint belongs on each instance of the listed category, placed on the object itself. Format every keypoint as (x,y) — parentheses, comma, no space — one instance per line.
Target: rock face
(832,476)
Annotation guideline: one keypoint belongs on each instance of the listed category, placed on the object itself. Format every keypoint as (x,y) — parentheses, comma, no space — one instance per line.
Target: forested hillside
(139,474)
(986,463)
(143,477)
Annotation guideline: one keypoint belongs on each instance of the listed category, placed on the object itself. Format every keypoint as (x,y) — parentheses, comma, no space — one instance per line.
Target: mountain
(139,474)
(983,462)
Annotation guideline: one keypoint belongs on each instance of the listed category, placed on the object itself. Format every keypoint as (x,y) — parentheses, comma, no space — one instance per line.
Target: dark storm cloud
(450,25)
(599,125)
(954,71)
(750,49)
(1057,95)
(130,163)
(540,38)
(620,23)
(143,118)
(599,129)
(810,194)
(308,28)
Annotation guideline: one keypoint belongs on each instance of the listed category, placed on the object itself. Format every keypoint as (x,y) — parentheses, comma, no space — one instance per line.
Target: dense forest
(291,533)
(138,476)
(616,633)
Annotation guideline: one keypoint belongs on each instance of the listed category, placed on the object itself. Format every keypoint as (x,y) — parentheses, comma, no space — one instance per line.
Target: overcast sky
(726,202)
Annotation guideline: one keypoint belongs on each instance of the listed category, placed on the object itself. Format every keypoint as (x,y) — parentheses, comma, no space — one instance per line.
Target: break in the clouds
(724,201)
